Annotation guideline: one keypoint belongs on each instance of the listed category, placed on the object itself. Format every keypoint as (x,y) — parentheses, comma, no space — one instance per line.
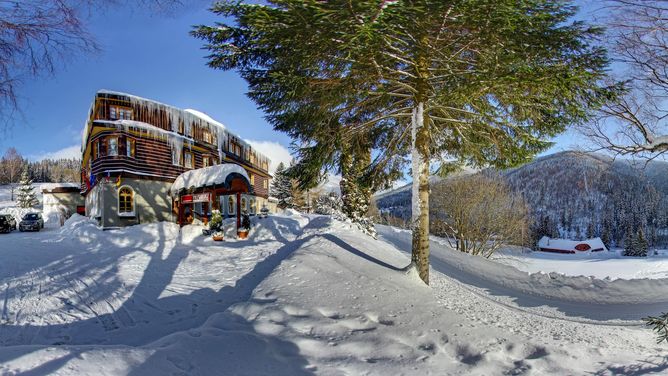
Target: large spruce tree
(482,82)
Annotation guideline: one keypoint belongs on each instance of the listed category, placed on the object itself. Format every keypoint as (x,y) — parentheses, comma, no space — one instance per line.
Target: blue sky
(151,56)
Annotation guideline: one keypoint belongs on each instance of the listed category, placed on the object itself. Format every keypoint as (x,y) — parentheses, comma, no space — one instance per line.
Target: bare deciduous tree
(478,214)
(10,168)
(636,123)
(35,35)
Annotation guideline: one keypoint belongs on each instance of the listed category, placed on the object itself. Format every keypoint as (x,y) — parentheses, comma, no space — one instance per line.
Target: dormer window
(207,137)
(120,113)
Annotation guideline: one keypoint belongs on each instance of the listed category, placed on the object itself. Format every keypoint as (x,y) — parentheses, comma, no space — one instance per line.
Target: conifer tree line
(13,165)
(363,87)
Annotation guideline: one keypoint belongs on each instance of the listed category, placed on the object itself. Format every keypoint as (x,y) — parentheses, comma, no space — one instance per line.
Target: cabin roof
(570,245)
(207,177)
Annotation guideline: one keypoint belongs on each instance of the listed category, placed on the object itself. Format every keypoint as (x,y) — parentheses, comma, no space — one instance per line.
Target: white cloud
(69,152)
(331,184)
(274,151)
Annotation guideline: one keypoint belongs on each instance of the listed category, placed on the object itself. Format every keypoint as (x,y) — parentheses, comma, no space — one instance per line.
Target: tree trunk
(420,200)
(356,197)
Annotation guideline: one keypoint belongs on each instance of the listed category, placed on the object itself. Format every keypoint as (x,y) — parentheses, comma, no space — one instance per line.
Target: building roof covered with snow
(207,177)
(547,244)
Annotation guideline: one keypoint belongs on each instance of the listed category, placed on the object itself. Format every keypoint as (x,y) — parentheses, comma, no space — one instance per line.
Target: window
(130,147)
(243,204)
(253,158)
(265,166)
(206,161)
(102,144)
(126,204)
(188,160)
(96,153)
(231,205)
(120,113)
(113,146)
(253,208)
(207,137)
(252,177)
(265,183)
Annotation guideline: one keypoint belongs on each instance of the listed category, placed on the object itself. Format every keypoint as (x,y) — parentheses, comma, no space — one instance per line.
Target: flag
(118,180)
(108,176)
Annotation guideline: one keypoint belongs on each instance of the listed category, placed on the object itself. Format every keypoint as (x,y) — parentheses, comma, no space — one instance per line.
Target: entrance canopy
(217,175)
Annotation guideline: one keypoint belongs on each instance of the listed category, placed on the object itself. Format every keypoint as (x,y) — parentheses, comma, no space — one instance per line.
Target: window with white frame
(243,204)
(130,147)
(126,201)
(253,208)
(231,205)
(113,146)
(188,159)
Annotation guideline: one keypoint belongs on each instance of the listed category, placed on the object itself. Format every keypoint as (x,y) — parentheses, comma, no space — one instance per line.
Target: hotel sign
(199,197)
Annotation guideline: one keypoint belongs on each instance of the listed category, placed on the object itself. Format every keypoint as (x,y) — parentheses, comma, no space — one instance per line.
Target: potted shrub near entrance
(216,226)
(242,232)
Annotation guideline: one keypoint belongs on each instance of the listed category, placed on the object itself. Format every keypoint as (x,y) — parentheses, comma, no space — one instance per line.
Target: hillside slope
(575,189)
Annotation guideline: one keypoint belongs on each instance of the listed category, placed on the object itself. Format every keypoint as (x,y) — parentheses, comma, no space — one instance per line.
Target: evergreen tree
(460,71)
(590,229)
(26,197)
(281,188)
(605,233)
(641,243)
(660,325)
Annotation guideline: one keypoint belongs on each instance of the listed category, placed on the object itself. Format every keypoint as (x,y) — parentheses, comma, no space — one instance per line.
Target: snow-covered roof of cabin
(204,117)
(45,187)
(206,177)
(196,113)
(569,245)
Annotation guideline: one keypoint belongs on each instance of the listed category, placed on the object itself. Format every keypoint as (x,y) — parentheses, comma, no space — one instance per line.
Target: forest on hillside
(576,196)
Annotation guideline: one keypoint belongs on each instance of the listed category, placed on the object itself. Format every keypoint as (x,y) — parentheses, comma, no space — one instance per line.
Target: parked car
(31,222)
(7,223)
(264,212)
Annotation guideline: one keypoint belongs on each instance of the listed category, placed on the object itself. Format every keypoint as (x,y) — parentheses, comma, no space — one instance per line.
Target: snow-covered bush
(245,222)
(328,204)
(332,205)
(216,221)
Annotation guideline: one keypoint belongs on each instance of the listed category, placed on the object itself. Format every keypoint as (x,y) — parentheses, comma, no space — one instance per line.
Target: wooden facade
(137,138)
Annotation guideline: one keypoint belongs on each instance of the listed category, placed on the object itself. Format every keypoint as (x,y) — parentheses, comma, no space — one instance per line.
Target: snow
(569,245)
(206,177)
(611,264)
(205,117)
(10,207)
(303,295)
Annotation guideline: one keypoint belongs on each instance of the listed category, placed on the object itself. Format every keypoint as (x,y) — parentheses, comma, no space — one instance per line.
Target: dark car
(31,222)
(7,223)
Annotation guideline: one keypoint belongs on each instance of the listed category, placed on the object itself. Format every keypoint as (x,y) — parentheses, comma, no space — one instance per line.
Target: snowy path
(94,287)
(578,299)
(303,296)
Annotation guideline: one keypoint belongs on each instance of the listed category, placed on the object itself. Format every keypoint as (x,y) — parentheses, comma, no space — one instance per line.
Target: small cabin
(547,244)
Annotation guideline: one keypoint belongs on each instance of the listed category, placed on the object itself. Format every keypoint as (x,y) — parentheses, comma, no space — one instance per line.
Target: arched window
(252,209)
(231,205)
(126,201)
(243,204)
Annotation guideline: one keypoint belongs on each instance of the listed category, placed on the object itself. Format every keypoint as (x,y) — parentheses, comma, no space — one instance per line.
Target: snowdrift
(582,289)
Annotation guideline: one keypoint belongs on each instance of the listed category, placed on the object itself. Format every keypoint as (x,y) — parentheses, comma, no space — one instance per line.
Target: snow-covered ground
(304,295)
(605,264)
(7,206)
